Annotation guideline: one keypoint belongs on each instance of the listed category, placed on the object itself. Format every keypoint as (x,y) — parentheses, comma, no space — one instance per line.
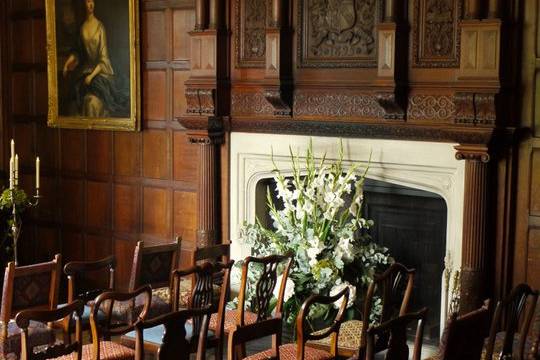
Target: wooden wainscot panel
(154,99)
(126,208)
(154,39)
(156,154)
(185,158)
(41,94)
(185,217)
(48,209)
(47,147)
(535,183)
(127,154)
(436,38)
(72,201)
(179,88)
(156,210)
(98,247)
(98,205)
(72,246)
(99,152)
(123,251)
(47,243)
(72,144)
(22,52)
(20,88)
(24,138)
(39,37)
(183,22)
(533,259)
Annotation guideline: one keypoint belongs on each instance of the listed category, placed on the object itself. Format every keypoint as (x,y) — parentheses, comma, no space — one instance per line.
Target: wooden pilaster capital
(473,153)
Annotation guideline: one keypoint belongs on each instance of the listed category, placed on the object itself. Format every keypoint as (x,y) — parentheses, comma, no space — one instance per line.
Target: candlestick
(16,170)
(37,172)
(11,169)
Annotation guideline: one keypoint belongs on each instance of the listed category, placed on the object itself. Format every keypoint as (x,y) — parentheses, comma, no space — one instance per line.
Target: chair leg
(240,352)
(218,351)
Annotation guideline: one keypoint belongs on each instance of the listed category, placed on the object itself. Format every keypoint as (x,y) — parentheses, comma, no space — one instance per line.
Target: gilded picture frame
(93,64)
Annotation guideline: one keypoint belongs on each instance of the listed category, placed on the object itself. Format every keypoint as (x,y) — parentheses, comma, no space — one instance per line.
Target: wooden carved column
(207,97)
(207,205)
(475,250)
(391,73)
(277,80)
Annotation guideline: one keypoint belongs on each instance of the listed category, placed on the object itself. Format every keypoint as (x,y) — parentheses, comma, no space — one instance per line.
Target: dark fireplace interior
(409,222)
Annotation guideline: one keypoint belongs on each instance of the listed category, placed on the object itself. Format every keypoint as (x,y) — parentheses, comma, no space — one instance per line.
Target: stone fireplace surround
(420,165)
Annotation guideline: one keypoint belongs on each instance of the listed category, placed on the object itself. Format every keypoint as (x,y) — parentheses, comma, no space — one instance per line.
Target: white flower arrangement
(320,221)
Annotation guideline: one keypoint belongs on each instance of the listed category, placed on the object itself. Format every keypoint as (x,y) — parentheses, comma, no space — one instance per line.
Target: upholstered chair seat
(349,339)
(127,311)
(39,334)
(288,352)
(231,320)
(108,351)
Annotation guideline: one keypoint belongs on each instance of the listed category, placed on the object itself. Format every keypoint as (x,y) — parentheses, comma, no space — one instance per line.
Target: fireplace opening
(411,223)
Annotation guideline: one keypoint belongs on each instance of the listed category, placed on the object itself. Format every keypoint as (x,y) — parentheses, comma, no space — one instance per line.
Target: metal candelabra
(29,202)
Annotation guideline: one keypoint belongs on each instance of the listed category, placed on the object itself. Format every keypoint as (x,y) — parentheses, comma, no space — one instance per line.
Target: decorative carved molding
(431,108)
(436,37)
(200,101)
(399,130)
(336,104)
(475,109)
(250,37)
(472,153)
(338,33)
(486,113)
(464,108)
(389,103)
(276,98)
(250,103)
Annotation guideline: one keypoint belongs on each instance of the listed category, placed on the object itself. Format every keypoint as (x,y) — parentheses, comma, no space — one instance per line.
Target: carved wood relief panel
(436,40)
(318,103)
(250,42)
(431,108)
(338,33)
(249,103)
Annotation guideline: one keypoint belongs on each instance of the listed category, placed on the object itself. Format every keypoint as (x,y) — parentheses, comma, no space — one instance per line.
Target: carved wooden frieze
(338,33)
(431,108)
(250,42)
(436,38)
(250,103)
(321,103)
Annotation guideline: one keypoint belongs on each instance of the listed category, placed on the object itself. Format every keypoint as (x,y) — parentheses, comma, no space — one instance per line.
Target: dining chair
(300,350)
(51,351)
(28,287)
(394,287)
(396,328)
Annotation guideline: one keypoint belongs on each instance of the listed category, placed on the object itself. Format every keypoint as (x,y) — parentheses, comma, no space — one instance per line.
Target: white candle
(16,171)
(12,148)
(37,172)
(11,169)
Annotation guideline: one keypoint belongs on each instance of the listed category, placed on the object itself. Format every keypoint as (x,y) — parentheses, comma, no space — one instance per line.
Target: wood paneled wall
(103,191)
(527,246)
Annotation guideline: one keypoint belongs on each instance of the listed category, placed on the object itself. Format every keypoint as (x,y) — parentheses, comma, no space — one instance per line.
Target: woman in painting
(95,89)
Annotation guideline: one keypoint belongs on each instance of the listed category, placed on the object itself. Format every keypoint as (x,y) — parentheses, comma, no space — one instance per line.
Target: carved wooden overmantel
(419,70)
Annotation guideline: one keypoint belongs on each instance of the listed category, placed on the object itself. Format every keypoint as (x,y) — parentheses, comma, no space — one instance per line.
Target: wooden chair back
(24,317)
(174,344)
(202,293)
(515,314)
(153,265)
(103,329)
(29,287)
(76,271)
(264,287)
(394,286)
(211,253)
(273,327)
(303,330)
(463,336)
(397,348)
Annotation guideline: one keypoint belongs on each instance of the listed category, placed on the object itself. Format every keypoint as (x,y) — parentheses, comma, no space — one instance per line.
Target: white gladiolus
(289,288)
(352,294)
(318,221)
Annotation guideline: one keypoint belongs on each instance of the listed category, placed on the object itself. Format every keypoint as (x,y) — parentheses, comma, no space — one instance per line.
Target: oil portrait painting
(93,64)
